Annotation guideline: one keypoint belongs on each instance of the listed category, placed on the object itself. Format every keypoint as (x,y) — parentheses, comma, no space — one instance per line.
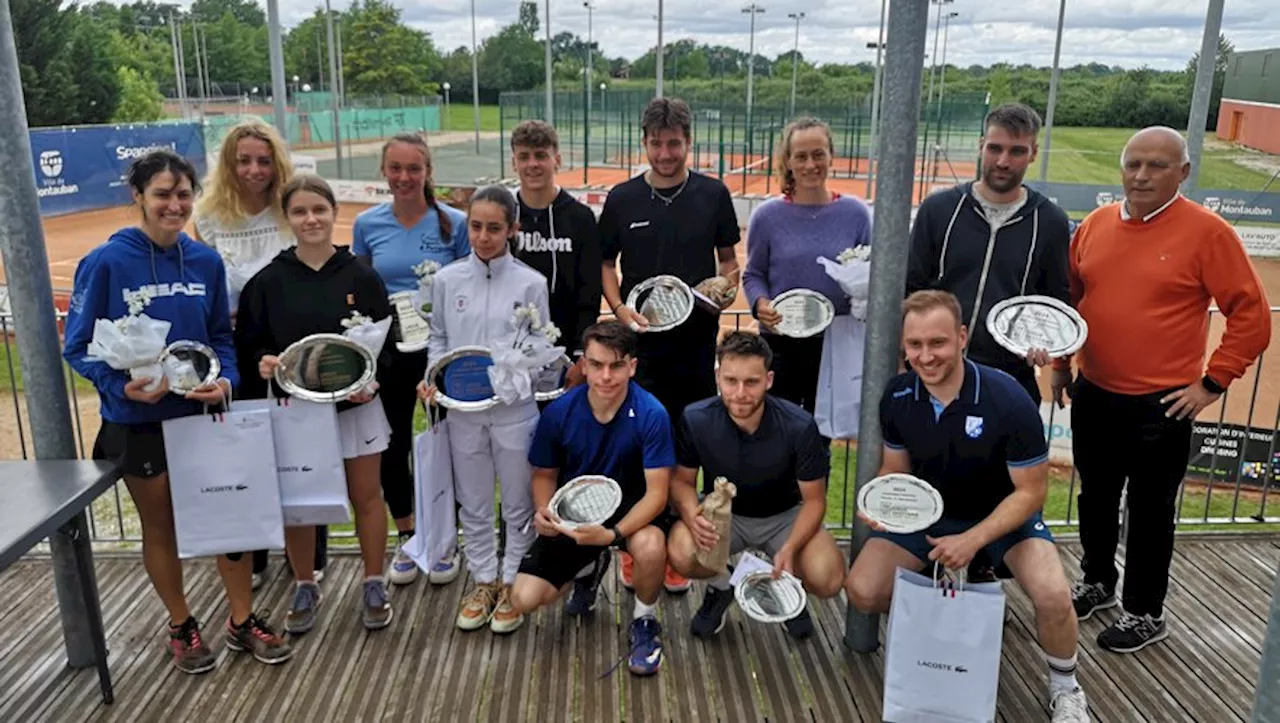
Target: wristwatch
(1207,382)
(618,539)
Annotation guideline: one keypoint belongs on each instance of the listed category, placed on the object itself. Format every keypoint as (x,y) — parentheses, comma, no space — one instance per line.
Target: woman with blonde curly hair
(239,212)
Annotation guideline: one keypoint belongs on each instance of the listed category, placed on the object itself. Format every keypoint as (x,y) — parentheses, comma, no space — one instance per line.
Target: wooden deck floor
(422,668)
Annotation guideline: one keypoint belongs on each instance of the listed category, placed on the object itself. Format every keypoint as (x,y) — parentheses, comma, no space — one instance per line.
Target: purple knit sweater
(784,240)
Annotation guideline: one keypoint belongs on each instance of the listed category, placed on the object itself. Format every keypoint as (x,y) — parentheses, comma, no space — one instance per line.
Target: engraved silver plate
(1022,323)
(414,330)
(189,365)
(585,500)
(550,383)
(768,600)
(805,313)
(461,379)
(325,368)
(664,300)
(901,503)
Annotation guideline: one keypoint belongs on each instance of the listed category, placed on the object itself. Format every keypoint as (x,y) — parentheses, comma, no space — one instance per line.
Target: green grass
(461,117)
(1092,155)
(13,382)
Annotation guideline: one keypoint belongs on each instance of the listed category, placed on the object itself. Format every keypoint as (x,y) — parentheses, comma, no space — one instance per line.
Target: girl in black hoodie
(310,289)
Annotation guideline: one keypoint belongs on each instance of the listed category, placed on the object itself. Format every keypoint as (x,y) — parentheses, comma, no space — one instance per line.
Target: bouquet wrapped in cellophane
(521,355)
(852,270)
(132,343)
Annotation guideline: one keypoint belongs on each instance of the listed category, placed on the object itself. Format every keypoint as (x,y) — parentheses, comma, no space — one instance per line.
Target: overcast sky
(1159,33)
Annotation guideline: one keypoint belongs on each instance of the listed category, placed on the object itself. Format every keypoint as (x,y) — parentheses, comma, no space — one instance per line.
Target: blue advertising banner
(1231,205)
(83,168)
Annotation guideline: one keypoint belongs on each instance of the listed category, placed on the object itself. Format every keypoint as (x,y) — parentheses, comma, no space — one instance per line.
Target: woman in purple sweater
(784,239)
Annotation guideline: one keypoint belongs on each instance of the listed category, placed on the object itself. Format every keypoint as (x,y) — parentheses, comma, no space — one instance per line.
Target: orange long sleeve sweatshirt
(1144,289)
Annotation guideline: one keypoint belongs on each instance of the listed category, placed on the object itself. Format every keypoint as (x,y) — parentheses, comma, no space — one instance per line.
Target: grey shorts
(762,533)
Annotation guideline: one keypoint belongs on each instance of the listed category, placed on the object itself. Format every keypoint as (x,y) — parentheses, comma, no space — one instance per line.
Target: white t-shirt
(245,248)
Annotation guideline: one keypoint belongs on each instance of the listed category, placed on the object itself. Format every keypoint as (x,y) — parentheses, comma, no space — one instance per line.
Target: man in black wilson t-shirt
(669,220)
(771,450)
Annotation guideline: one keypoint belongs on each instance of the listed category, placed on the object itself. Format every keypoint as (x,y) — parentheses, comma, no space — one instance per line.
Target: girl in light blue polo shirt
(395,237)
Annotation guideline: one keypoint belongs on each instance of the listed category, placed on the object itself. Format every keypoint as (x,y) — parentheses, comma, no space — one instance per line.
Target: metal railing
(1216,496)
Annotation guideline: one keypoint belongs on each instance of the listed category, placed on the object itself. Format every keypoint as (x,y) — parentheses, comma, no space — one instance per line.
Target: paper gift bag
(717,508)
(222,480)
(309,465)
(837,401)
(942,651)
(436,525)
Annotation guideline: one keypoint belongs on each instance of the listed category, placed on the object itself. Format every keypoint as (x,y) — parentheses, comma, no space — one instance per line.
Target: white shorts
(364,429)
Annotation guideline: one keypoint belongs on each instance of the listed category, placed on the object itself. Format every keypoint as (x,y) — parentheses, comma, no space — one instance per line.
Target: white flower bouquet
(530,349)
(852,270)
(366,332)
(132,343)
(426,272)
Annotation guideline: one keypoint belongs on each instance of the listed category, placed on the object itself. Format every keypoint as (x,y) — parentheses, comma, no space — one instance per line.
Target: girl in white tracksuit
(473,299)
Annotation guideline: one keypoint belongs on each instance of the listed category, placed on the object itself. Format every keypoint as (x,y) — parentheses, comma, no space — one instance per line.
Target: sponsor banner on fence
(303,164)
(371,192)
(1231,205)
(1233,452)
(1260,241)
(1057,429)
(83,168)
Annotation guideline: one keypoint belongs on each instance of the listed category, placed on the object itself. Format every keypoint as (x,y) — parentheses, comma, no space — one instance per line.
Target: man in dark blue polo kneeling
(972,432)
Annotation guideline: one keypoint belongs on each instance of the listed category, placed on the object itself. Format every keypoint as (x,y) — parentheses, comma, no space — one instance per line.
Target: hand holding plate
(765,312)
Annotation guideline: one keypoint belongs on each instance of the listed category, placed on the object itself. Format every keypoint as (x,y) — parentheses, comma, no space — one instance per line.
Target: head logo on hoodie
(177,288)
(537,242)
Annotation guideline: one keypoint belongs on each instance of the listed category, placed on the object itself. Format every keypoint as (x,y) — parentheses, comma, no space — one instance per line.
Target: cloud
(1158,33)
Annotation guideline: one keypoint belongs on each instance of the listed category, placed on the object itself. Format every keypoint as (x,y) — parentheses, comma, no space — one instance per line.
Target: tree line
(101,62)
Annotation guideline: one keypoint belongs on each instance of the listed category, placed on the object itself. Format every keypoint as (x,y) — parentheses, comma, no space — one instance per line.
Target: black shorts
(137,448)
(559,559)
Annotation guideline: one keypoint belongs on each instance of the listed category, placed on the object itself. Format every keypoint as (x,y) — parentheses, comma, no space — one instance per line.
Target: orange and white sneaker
(625,564)
(675,582)
(505,619)
(477,607)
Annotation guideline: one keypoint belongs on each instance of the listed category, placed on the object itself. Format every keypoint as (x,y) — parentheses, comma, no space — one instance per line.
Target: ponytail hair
(787,178)
(428,188)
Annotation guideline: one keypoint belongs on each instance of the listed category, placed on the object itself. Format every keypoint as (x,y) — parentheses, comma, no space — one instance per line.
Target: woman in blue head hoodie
(188,288)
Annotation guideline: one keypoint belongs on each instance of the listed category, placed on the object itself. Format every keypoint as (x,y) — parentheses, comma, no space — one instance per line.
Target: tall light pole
(1053,95)
(475,76)
(795,59)
(551,117)
(660,53)
(590,52)
(1202,91)
(333,87)
(937,29)
(875,100)
(446,87)
(276,54)
(751,10)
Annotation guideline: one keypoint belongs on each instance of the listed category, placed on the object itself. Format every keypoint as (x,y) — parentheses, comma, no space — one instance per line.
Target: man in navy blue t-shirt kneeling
(611,427)
(771,450)
(973,433)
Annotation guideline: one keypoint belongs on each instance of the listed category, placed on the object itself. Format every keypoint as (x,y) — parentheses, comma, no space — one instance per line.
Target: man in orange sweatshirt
(1143,273)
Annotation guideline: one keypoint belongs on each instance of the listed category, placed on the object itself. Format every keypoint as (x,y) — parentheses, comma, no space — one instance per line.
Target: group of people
(654,410)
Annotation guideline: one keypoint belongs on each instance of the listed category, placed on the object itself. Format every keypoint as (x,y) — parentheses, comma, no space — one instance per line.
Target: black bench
(37,498)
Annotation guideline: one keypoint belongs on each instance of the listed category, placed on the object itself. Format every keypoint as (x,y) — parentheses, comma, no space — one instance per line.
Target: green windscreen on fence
(308,128)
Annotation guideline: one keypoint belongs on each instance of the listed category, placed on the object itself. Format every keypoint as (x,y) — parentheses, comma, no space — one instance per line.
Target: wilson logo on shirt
(973,427)
(537,242)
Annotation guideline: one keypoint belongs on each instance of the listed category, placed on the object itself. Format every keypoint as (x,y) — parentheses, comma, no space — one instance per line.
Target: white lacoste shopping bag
(222,480)
(942,651)
(838,398)
(436,525)
(309,465)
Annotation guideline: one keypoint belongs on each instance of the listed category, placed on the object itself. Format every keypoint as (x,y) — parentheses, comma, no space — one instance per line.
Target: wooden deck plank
(423,669)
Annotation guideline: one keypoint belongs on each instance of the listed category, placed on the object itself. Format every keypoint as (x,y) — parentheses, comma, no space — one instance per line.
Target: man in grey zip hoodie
(986,241)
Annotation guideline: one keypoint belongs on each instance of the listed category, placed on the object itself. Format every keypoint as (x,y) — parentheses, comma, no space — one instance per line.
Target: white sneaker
(445,571)
(1070,706)
(258,579)
(317,575)
(403,569)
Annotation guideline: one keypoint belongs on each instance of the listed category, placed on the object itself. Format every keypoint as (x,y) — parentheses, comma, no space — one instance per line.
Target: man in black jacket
(986,241)
(558,236)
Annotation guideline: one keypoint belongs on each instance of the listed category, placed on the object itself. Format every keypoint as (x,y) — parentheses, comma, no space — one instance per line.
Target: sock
(719,582)
(644,610)
(1062,674)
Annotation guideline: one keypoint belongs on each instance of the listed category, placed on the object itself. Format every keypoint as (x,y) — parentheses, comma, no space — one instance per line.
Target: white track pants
(484,445)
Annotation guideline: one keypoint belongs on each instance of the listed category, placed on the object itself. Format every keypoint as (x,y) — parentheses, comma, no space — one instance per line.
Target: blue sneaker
(646,646)
(404,571)
(586,589)
(445,571)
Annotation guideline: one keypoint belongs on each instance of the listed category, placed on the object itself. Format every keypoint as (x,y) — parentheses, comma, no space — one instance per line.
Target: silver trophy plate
(768,600)
(325,368)
(901,503)
(805,313)
(585,500)
(664,300)
(461,379)
(550,383)
(1022,323)
(189,365)
(414,329)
